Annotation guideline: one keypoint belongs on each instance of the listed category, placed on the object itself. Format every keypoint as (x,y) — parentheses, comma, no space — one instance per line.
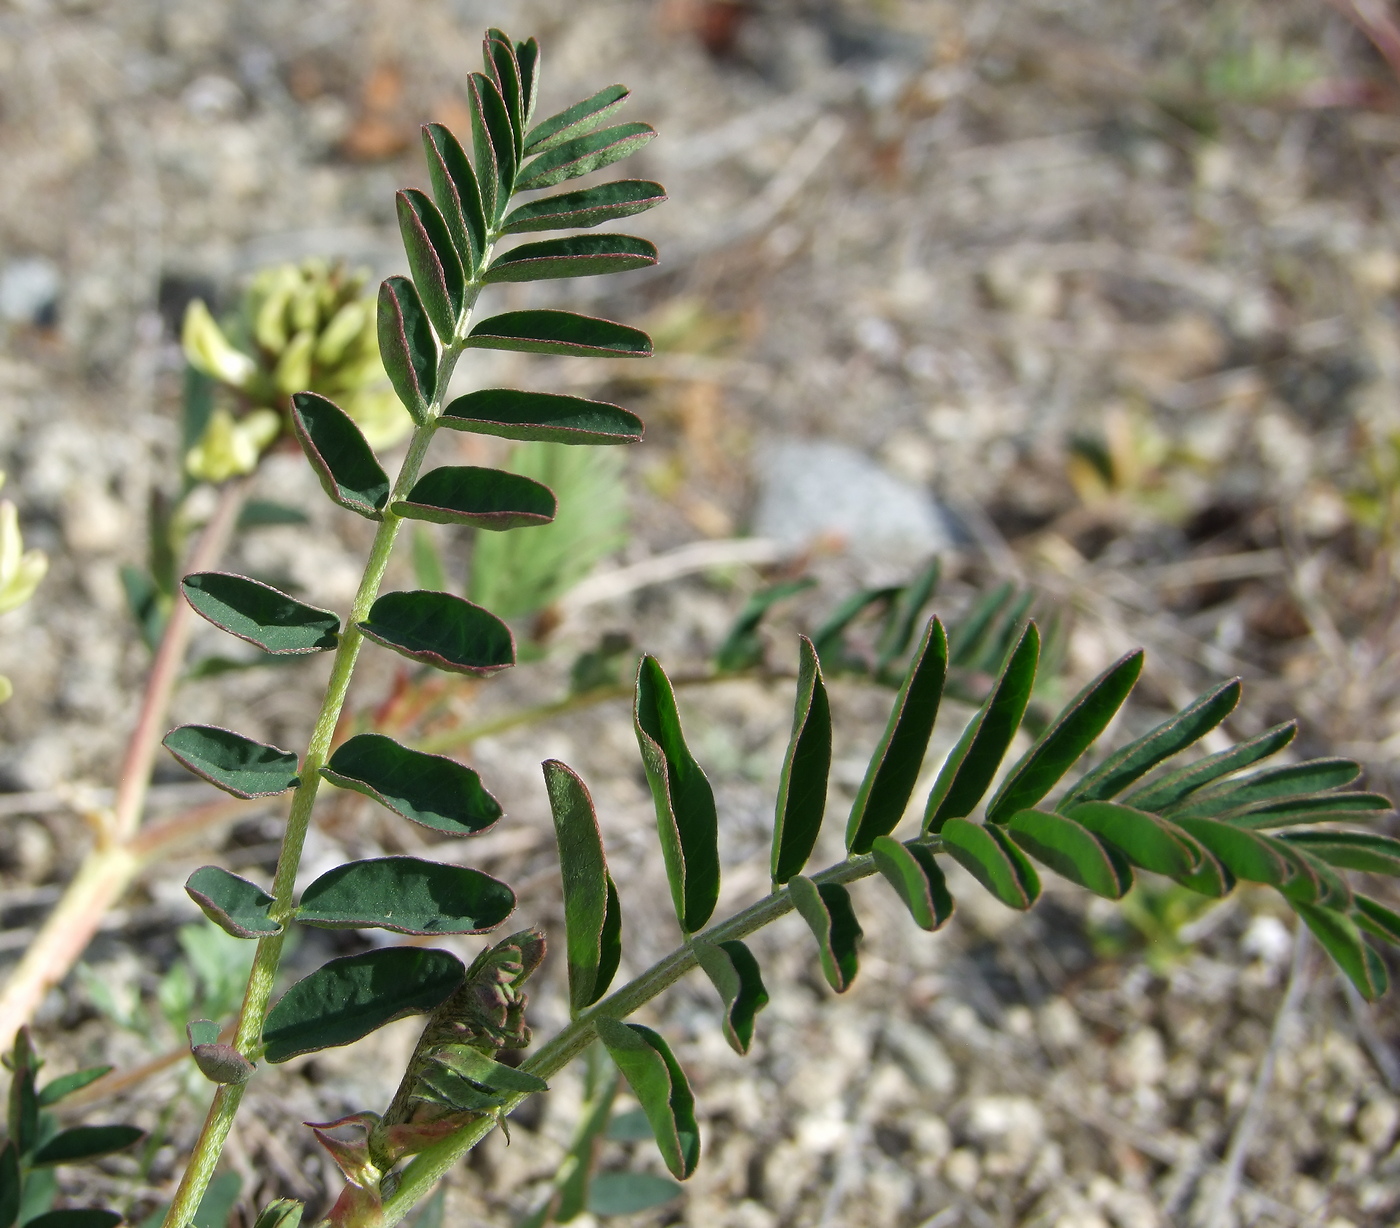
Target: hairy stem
(429,1166)
(257,997)
(109,866)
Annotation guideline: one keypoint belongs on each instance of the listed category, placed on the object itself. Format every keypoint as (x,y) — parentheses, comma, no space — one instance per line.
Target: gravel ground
(1110,286)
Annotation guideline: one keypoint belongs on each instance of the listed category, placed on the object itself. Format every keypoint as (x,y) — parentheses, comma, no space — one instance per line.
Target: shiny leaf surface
(484,498)
(406,895)
(342,459)
(235,905)
(441,630)
(236,764)
(260,614)
(543,416)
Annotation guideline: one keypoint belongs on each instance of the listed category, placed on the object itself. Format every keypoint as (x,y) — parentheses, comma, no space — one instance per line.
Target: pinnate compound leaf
(973,762)
(734,972)
(1072,851)
(260,614)
(406,895)
(76,1217)
(343,461)
(1309,808)
(236,764)
(806,768)
(989,856)
(457,194)
(65,1085)
(1072,733)
(1351,850)
(1276,784)
(484,498)
(592,916)
(433,261)
(826,907)
(573,256)
(576,120)
(582,155)
(407,346)
(1343,942)
(1140,756)
(913,872)
(657,1080)
(353,996)
(628,1193)
(1172,787)
(607,202)
(235,905)
(80,1143)
(1144,839)
(9,1184)
(430,790)
(441,630)
(559,332)
(894,767)
(685,804)
(541,416)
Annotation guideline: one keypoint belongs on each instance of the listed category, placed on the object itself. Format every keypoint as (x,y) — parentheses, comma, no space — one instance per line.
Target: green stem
(257,997)
(430,1165)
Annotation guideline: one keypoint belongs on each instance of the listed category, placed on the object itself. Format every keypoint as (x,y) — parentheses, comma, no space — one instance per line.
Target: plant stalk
(430,1165)
(113,861)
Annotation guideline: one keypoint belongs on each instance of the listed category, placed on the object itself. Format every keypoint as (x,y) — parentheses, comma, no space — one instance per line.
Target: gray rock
(816,488)
(29,289)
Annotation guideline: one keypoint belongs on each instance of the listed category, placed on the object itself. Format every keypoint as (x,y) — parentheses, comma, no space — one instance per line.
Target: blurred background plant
(20,570)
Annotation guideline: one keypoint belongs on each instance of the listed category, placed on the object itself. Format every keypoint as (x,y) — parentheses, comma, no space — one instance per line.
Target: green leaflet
(1170,788)
(65,1085)
(541,416)
(483,498)
(353,996)
(1072,851)
(592,915)
(582,155)
(431,790)
(1244,854)
(573,1178)
(576,120)
(735,974)
(1275,784)
(973,762)
(990,857)
(502,68)
(830,638)
(574,256)
(527,58)
(81,1143)
(903,618)
(685,804)
(1343,942)
(894,767)
(343,461)
(236,764)
(1309,808)
(1376,919)
(742,648)
(433,261)
(607,202)
(826,907)
(457,195)
(441,630)
(914,874)
(1075,729)
(407,346)
(487,1072)
(261,615)
(1139,757)
(235,905)
(1351,850)
(981,640)
(10,1184)
(559,332)
(627,1193)
(406,895)
(1144,839)
(1303,882)
(493,142)
(658,1081)
(806,767)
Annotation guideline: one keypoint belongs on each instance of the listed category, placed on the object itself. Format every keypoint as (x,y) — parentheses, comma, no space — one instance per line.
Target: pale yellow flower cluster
(20,570)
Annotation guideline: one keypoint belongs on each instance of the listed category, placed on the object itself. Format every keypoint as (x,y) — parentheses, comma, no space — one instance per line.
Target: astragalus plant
(1207,823)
